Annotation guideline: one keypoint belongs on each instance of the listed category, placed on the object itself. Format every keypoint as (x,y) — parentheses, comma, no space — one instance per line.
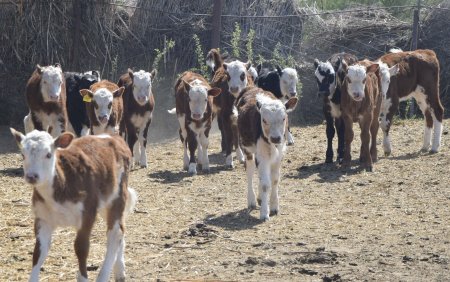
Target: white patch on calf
(59,214)
(356,85)
(436,135)
(324,67)
(335,110)
(210,62)
(273,118)
(104,99)
(198,99)
(114,241)
(142,87)
(51,81)
(44,235)
(253,73)
(237,72)
(384,124)
(288,83)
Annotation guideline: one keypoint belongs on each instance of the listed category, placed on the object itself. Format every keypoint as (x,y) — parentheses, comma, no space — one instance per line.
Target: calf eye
(242,76)
(109,105)
(264,121)
(348,79)
(23,156)
(48,156)
(364,80)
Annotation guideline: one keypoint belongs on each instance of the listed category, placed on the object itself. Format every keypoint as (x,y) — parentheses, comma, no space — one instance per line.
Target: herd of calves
(73,178)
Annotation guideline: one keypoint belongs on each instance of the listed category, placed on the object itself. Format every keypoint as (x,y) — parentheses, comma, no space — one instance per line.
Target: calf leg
(264,187)
(183,138)
(250,169)
(82,247)
(289,137)
(234,128)
(143,133)
(193,144)
(228,136)
(114,243)
(365,125)
(389,107)
(222,139)
(348,124)
(28,123)
(438,115)
(339,123)
(204,142)
(43,233)
(373,143)
(274,199)
(330,135)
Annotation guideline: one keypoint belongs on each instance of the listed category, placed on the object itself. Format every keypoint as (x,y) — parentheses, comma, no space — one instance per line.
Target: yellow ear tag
(87,98)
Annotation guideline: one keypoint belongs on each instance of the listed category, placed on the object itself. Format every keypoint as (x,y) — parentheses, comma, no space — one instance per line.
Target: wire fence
(113,36)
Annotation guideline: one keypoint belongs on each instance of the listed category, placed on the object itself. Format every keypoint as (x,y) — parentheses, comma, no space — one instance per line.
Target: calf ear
(372,68)
(394,70)
(344,66)
(248,65)
(291,104)
(96,74)
(117,93)
(316,63)
(279,70)
(64,140)
(186,86)
(58,65)
(18,136)
(258,105)
(39,69)
(87,95)
(225,66)
(154,73)
(130,73)
(214,92)
(338,64)
(258,68)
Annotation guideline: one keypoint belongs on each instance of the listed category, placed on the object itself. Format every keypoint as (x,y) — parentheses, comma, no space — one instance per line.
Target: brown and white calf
(104,106)
(262,124)
(361,102)
(46,99)
(194,109)
(73,180)
(138,105)
(231,78)
(418,77)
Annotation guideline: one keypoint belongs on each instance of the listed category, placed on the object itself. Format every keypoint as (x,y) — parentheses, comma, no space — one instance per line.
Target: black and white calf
(138,105)
(329,77)
(262,125)
(282,83)
(76,109)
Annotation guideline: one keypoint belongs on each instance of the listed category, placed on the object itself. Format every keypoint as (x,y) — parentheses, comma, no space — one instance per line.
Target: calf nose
(31,178)
(275,140)
(293,94)
(196,116)
(234,89)
(103,119)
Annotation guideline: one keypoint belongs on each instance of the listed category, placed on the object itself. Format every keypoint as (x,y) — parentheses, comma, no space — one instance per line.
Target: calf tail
(131,201)
(395,50)
(172,111)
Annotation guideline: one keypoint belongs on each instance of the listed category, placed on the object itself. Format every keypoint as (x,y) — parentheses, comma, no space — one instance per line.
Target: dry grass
(391,224)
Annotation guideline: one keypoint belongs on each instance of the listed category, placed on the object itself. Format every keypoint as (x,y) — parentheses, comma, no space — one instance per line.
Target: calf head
(273,116)
(102,101)
(38,149)
(237,76)
(288,82)
(386,73)
(87,79)
(355,79)
(326,77)
(51,82)
(198,97)
(142,85)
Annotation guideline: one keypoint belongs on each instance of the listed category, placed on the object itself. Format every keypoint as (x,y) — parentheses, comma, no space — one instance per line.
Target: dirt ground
(389,225)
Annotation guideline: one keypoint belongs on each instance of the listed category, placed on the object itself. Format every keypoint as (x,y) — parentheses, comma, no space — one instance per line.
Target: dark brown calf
(104,106)
(194,109)
(361,102)
(46,99)
(418,77)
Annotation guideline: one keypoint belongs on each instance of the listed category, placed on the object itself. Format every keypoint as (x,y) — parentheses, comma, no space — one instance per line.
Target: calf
(72,181)
(138,104)
(262,127)
(282,83)
(418,77)
(194,108)
(46,99)
(231,78)
(104,106)
(361,102)
(329,77)
(76,110)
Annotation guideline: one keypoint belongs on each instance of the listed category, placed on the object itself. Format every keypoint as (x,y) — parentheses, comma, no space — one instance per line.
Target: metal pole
(216,23)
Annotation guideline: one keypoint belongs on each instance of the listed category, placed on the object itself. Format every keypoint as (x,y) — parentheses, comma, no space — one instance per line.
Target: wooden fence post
(414,41)
(216,23)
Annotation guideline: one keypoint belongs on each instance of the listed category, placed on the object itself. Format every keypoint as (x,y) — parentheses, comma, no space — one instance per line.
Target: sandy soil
(389,225)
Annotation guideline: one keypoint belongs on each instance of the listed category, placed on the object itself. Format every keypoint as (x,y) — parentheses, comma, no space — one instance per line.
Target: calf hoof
(369,168)
(387,154)
(259,202)
(434,151)
(205,169)
(340,160)
(329,160)
(251,206)
(121,279)
(264,218)
(290,143)
(424,150)
(274,212)
(192,169)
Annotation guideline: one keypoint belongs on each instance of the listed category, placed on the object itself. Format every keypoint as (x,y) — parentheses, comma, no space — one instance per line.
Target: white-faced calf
(138,105)
(46,99)
(72,181)
(361,102)
(104,106)
(262,128)
(194,109)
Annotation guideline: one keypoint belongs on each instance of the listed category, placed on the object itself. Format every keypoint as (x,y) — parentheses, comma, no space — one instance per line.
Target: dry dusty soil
(335,225)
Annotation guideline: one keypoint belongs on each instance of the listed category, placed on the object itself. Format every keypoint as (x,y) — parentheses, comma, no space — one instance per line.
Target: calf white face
(356,80)
(198,97)
(326,77)
(288,82)
(142,85)
(51,81)
(386,74)
(102,101)
(237,75)
(38,151)
(273,116)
